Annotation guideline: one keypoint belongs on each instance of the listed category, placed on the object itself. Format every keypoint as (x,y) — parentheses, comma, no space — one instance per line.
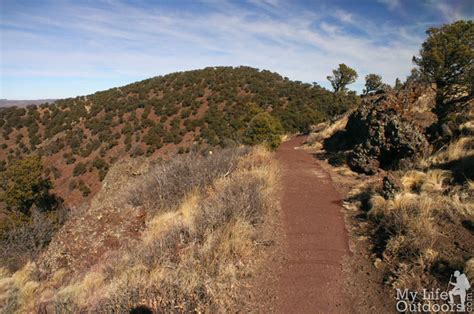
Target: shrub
(167,183)
(264,128)
(137,151)
(23,185)
(446,55)
(102,166)
(85,190)
(23,238)
(79,168)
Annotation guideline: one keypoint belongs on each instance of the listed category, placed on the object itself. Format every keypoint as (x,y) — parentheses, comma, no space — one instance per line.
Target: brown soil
(312,277)
(365,281)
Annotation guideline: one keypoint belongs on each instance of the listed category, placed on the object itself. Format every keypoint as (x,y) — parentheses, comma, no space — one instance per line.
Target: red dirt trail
(312,279)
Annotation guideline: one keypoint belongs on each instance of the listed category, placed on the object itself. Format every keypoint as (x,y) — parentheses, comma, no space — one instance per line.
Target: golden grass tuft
(470,185)
(461,148)
(413,180)
(19,290)
(431,181)
(324,131)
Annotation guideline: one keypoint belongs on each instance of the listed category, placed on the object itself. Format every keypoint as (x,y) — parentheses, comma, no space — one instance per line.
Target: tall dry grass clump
(205,232)
(325,130)
(406,235)
(424,231)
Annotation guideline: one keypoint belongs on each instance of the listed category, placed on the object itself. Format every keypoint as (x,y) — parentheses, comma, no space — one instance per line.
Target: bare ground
(321,264)
(312,278)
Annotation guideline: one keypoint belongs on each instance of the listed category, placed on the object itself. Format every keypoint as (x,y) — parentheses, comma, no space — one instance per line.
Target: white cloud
(452,13)
(126,41)
(391,4)
(344,16)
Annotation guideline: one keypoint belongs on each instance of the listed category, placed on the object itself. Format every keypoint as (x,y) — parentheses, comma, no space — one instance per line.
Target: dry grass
(422,230)
(201,243)
(469,269)
(457,150)
(426,224)
(432,181)
(326,130)
(405,235)
(413,231)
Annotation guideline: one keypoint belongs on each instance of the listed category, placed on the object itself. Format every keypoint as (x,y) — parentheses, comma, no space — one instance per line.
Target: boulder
(383,132)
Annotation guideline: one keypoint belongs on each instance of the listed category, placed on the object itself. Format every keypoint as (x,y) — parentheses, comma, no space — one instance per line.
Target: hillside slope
(80,138)
(195,248)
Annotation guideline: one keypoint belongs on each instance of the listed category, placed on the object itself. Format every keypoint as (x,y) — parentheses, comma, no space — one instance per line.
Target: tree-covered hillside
(79,138)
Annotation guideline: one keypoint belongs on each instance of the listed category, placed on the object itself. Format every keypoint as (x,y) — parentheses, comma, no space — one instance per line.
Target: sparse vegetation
(212,107)
(185,223)
(204,222)
(419,229)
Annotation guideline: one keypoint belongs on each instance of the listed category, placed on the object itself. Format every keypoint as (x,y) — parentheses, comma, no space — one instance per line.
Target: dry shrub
(23,238)
(168,182)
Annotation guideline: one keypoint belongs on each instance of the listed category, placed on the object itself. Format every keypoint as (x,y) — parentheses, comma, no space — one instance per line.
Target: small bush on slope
(193,255)
(23,238)
(264,128)
(168,182)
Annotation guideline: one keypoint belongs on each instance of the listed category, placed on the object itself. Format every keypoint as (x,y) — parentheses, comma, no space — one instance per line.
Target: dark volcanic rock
(381,133)
(391,185)
(361,159)
(382,138)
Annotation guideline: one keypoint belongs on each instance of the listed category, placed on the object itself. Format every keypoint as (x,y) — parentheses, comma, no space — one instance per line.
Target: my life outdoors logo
(457,299)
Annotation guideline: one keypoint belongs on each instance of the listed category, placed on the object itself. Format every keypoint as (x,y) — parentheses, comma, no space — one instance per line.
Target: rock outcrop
(386,130)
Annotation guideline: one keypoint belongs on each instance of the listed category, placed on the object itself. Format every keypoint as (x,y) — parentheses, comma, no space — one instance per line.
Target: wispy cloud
(115,41)
(455,10)
(391,4)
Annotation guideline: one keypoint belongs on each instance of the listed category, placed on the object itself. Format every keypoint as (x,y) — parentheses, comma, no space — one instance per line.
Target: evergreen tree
(342,76)
(23,185)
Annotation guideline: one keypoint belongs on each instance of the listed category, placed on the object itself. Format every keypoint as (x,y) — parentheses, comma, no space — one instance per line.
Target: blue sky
(61,48)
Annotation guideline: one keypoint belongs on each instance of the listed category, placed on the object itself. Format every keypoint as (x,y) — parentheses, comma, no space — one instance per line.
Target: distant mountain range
(23,103)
